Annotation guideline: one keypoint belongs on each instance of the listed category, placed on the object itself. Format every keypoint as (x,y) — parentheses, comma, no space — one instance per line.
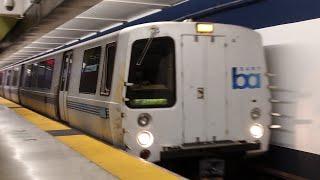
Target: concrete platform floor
(27,152)
(33,146)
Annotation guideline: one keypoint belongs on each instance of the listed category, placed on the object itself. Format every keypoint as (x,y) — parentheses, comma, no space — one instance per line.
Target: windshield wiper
(154,32)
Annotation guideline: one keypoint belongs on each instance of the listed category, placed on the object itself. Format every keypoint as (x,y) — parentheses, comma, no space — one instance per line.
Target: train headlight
(144,119)
(145,139)
(256,131)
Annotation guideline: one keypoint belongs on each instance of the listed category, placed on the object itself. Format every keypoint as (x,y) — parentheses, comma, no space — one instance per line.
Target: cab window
(152,74)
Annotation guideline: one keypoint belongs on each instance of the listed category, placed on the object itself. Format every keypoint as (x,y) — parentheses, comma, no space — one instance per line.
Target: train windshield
(152,77)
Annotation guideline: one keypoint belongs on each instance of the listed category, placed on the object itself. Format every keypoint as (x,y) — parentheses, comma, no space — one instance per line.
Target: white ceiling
(101,17)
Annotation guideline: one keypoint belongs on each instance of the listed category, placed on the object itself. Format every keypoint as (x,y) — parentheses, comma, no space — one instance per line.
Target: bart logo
(245,80)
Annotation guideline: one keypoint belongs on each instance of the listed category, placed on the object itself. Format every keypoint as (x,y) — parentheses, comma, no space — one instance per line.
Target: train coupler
(211,168)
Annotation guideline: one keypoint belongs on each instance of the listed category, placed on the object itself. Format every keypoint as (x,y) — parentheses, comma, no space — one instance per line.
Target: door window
(108,67)
(66,69)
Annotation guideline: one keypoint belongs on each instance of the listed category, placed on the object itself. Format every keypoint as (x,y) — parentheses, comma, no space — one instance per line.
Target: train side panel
(2,74)
(6,84)
(41,98)
(14,86)
(88,108)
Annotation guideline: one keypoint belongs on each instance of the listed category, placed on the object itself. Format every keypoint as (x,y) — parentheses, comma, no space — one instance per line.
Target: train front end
(193,89)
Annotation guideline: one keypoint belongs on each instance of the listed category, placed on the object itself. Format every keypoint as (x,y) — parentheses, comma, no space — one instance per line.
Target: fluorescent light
(88,35)
(110,27)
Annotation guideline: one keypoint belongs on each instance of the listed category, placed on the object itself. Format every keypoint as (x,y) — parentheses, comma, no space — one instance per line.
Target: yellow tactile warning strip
(115,161)
(9,104)
(40,121)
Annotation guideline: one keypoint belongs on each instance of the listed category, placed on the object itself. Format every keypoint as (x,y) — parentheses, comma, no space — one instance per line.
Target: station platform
(35,147)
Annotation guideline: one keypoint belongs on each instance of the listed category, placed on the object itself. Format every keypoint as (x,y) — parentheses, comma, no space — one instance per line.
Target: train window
(45,72)
(34,75)
(15,77)
(1,78)
(41,75)
(108,69)
(90,69)
(152,74)
(66,71)
(49,73)
(27,75)
(8,78)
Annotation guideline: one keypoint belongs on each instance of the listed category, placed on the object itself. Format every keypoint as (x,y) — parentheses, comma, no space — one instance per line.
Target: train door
(204,88)
(64,84)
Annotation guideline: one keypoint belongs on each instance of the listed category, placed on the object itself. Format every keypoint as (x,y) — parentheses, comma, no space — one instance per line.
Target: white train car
(159,90)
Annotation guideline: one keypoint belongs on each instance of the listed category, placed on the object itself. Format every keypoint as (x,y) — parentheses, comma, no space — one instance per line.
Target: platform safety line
(114,161)
(40,121)
(9,104)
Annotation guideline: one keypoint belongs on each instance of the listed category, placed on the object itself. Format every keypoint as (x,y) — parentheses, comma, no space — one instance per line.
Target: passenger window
(27,75)
(34,75)
(15,77)
(90,69)
(108,67)
(8,77)
(41,75)
(1,78)
(49,73)
(45,72)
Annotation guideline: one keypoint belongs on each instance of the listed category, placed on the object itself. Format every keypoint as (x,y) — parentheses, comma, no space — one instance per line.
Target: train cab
(192,86)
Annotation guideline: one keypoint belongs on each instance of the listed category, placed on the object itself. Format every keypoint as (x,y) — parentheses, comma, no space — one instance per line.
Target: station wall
(292,52)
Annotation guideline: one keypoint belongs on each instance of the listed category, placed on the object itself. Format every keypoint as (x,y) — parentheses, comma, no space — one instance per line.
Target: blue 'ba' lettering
(245,80)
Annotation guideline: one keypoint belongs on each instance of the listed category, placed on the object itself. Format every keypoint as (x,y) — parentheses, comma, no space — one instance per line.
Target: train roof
(116,33)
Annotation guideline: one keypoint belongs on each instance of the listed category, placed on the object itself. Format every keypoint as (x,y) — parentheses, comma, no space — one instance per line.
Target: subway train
(157,90)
